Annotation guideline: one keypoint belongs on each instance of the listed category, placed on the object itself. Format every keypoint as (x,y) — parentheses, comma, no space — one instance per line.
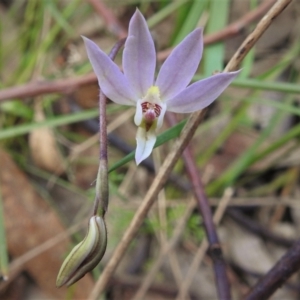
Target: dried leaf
(43,147)
(29,222)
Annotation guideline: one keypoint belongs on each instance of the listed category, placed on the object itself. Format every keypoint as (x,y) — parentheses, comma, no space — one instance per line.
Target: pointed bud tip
(86,255)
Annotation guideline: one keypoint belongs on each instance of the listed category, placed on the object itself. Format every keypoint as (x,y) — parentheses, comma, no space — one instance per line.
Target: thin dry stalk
(288,264)
(158,183)
(187,134)
(184,288)
(120,120)
(215,249)
(175,266)
(172,243)
(76,150)
(65,86)
(252,38)
(165,251)
(236,202)
(162,216)
(232,29)
(161,202)
(128,181)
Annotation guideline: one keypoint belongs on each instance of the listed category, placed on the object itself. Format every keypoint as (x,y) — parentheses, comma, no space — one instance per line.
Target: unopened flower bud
(86,255)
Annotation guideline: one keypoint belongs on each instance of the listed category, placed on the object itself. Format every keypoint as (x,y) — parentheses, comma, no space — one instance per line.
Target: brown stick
(33,89)
(285,267)
(161,178)
(236,27)
(145,206)
(252,38)
(215,250)
(199,255)
(231,30)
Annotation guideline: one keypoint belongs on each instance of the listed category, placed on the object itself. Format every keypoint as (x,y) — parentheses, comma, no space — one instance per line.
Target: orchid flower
(152,98)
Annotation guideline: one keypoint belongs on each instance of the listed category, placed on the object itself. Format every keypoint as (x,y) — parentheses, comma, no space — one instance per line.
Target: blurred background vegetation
(49,148)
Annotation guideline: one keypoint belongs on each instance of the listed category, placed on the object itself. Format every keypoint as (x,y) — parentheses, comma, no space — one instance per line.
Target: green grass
(43,32)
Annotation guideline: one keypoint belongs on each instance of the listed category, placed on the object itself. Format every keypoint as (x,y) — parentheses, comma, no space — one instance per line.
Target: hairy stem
(102,189)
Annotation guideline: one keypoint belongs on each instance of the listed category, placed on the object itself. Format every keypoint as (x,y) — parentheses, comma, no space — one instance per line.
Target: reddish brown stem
(285,267)
(32,89)
(102,189)
(215,251)
(232,29)
(68,85)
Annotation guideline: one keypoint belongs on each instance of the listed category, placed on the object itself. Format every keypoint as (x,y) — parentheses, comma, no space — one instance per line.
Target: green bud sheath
(86,255)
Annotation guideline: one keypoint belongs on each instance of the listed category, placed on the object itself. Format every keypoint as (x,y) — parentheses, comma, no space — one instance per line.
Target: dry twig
(68,85)
(215,250)
(204,246)
(165,250)
(145,206)
(285,267)
(232,29)
(171,159)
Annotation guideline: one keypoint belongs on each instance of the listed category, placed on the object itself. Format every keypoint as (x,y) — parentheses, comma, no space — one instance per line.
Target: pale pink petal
(145,143)
(201,93)
(138,117)
(111,80)
(179,68)
(139,57)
